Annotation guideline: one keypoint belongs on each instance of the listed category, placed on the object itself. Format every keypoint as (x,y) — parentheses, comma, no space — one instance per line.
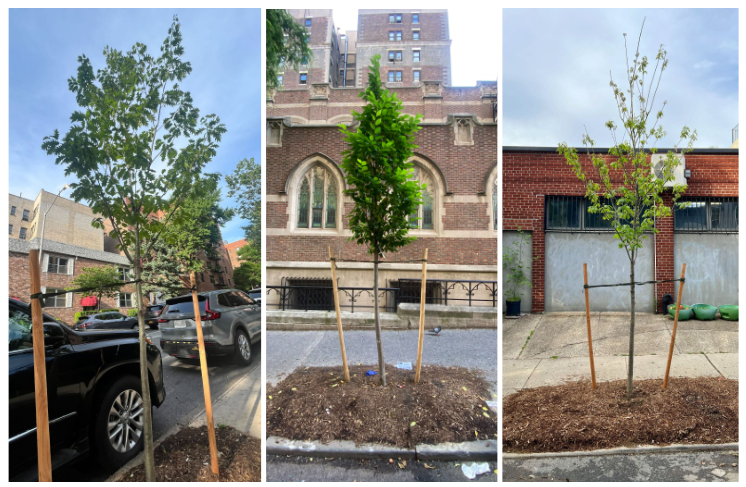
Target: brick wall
(529,176)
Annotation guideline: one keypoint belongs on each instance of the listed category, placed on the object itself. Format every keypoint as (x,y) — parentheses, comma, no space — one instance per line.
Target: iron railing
(321,298)
(446,291)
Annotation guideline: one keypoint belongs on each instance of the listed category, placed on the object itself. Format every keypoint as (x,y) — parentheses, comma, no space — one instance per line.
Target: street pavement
(303,469)
(184,400)
(712,466)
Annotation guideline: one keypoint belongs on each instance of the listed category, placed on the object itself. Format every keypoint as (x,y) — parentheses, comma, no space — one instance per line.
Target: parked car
(231,323)
(109,320)
(90,376)
(152,313)
(256,295)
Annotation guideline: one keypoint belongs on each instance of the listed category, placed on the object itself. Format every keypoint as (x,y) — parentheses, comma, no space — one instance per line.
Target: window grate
(570,214)
(707,215)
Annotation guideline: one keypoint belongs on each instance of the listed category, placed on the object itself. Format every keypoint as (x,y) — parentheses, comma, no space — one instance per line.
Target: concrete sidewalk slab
(708,341)
(562,336)
(286,350)
(552,372)
(516,332)
(239,407)
(685,365)
(725,363)
(517,372)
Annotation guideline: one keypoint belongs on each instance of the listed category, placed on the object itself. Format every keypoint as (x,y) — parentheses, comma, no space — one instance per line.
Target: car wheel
(119,423)
(135,326)
(242,346)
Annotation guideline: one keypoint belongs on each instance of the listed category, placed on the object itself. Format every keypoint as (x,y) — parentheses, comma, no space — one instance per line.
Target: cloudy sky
(223,47)
(468,65)
(557,63)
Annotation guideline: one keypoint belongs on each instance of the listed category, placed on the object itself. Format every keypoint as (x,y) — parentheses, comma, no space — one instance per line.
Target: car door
(223,329)
(252,313)
(63,390)
(120,321)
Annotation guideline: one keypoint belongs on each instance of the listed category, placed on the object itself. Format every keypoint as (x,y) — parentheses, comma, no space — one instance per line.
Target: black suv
(93,392)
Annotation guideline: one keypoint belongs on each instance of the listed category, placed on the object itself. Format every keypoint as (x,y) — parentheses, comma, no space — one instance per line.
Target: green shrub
(80,314)
(132,312)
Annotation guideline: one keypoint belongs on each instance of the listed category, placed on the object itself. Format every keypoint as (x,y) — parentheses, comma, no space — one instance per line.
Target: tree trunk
(381,364)
(630,370)
(144,384)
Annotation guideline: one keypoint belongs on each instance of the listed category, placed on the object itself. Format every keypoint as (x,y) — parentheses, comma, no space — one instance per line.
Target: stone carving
(432,88)
(320,90)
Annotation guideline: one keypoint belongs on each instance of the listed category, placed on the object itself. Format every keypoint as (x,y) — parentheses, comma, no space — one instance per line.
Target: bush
(80,314)
(132,312)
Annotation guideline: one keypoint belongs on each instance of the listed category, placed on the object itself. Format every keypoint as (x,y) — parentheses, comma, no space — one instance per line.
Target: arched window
(317,199)
(424,217)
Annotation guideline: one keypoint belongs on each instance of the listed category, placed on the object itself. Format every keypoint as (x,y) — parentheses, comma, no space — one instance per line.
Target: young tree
(246,185)
(102,279)
(380,178)
(286,44)
(248,275)
(122,147)
(624,187)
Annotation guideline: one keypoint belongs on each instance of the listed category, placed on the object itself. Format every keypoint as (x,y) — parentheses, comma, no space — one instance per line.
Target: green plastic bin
(684,314)
(704,312)
(729,312)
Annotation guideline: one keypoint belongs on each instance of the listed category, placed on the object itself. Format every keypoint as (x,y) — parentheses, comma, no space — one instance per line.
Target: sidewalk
(542,350)
(473,349)
(239,407)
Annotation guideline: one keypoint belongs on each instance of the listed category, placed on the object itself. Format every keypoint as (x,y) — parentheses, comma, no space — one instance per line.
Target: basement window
(706,215)
(571,214)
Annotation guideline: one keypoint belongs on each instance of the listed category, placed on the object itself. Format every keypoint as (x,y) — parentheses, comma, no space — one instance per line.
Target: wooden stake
(588,321)
(675,323)
(339,315)
(205,378)
(43,451)
(422,318)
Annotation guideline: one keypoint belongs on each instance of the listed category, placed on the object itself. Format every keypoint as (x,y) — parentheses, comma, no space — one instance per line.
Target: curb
(117,476)
(470,450)
(624,451)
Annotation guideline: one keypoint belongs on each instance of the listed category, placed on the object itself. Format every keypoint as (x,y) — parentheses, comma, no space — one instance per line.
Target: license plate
(180,323)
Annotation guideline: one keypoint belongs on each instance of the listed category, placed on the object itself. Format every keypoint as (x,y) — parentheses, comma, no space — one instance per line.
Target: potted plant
(516,273)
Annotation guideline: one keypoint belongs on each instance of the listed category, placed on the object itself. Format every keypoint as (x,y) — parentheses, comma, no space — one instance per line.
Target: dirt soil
(448,405)
(573,417)
(185,457)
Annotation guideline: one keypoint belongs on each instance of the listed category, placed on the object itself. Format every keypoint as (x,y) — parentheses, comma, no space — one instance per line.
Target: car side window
(19,330)
(245,298)
(225,301)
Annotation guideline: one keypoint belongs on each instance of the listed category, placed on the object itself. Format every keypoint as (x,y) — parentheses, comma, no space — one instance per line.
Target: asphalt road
(184,401)
(707,466)
(306,469)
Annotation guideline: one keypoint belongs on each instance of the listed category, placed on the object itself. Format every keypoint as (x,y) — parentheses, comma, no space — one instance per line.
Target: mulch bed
(573,417)
(185,457)
(448,405)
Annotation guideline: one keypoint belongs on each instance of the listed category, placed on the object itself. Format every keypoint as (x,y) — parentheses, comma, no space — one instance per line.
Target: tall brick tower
(322,67)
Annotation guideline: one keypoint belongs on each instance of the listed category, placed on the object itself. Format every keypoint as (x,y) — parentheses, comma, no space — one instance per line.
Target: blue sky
(223,46)
(556,66)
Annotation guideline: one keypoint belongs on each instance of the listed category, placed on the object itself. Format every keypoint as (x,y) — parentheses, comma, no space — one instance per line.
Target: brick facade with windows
(532,174)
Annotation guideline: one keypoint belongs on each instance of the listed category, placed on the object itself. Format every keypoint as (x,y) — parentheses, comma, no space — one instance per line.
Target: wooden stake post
(205,378)
(339,315)
(588,321)
(43,451)
(422,318)
(675,323)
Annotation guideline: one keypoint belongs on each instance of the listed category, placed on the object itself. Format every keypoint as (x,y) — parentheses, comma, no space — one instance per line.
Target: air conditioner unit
(657,162)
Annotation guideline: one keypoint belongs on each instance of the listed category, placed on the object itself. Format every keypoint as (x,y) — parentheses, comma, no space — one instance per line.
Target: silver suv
(231,323)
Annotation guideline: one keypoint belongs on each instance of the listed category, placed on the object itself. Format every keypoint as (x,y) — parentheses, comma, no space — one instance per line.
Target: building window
(303,78)
(711,215)
(464,132)
(274,133)
(25,215)
(10,229)
(122,273)
(317,199)
(415,35)
(59,301)
(424,216)
(33,230)
(416,56)
(394,76)
(416,76)
(279,80)
(125,300)
(308,22)
(22,235)
(415,18)
(12,210)
(341,73)
(394,56)
(212,279)
(57,265)
(202,276)
(394,35)
(394,18)
(571,214)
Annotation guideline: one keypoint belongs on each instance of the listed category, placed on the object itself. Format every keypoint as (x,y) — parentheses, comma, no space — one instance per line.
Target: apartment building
(232,249)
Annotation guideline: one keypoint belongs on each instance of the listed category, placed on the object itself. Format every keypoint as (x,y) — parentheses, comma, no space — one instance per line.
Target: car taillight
(209,315)
(161,320)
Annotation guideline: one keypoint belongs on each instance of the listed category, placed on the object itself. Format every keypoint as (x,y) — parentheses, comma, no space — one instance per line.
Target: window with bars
(706,214)
(317,199)
(424,216)
(570,214)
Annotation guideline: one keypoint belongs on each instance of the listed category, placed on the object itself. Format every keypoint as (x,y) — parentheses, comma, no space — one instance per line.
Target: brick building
(543,197)
(306,210)
(232,249)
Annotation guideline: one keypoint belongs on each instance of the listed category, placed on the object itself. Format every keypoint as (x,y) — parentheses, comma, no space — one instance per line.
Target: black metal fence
(317,295)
